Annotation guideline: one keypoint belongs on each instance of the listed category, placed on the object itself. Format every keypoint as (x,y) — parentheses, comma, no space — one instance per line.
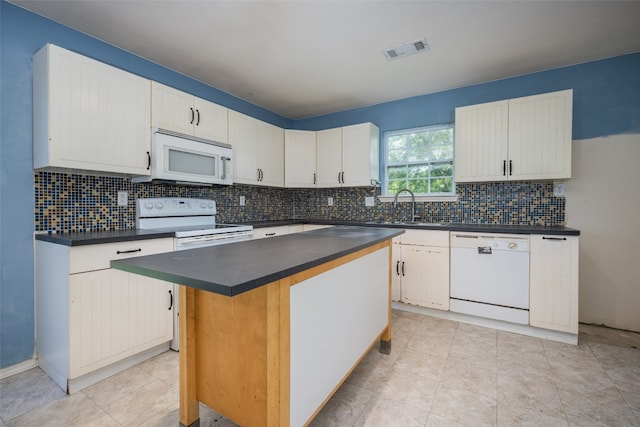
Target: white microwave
(185,159)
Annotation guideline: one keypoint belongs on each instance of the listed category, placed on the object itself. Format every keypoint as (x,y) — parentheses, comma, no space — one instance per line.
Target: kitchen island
(269,329)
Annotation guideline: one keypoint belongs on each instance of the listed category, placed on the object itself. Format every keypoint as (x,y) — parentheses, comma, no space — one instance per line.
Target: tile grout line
(433,399)
(555,384)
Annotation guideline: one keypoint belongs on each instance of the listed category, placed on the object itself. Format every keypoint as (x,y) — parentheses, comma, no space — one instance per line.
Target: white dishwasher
(490,275)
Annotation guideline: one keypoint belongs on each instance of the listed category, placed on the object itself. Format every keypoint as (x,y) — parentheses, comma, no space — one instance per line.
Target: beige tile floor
(440,373)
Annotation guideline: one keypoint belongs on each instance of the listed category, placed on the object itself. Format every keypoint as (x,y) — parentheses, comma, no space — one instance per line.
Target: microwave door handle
(224,166)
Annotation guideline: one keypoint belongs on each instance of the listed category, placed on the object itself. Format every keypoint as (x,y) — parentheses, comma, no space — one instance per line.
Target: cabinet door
(425,276)
(481,136)
(299,159)
(89,115)
(553,284)
(540,136)
(271,155)
(243,137)
(113,315)
(172,109)
(396,277)
(360,154)
(211,120)
(329,157)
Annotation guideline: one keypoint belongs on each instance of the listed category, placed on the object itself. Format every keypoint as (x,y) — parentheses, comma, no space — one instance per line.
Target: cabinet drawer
(425,238)
(261,233)
(98,257)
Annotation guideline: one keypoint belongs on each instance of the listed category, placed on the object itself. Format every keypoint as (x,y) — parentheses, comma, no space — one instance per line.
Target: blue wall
(22,34)
(606,102)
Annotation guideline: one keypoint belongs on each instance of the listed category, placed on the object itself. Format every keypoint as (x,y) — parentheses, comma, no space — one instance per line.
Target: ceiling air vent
(406,49)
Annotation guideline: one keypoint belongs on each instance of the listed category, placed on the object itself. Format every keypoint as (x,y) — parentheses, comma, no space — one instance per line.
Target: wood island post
(189,410)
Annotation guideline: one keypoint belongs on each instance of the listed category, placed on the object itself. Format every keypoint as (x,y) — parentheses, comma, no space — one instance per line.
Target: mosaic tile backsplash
(72,202)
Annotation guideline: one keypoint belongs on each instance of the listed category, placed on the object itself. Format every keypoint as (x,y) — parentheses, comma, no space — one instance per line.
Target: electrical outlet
(330,201)
(123,198)
(242,201)
(558,189)
(369,201)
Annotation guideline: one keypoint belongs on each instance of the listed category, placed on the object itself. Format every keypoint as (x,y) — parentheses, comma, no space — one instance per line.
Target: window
(419,159)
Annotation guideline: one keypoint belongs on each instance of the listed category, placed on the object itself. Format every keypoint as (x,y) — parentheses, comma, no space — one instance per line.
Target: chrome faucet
(413,204)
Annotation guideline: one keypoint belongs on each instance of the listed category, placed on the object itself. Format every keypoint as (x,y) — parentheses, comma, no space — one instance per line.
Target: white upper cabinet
(540,129)
(258,151)
(481,142)
(360,154)
(88,115)
(181,112)
(329,157)
(299,158)
(347,156)
(518,139)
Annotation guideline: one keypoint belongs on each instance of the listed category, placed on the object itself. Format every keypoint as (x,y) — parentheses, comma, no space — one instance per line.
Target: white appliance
(194,223)
(490,276)
(185,159)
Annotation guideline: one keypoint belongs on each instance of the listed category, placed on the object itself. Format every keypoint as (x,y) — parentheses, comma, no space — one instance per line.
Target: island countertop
(240,267)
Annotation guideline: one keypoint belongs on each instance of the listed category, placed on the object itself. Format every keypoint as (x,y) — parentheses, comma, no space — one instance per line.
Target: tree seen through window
(420,160)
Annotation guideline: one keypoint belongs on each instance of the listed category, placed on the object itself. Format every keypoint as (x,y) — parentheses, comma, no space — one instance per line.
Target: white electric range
(194,223)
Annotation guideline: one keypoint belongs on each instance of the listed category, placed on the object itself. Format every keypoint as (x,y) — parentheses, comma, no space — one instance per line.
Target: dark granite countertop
(239,267)
(442,226)
(98,237)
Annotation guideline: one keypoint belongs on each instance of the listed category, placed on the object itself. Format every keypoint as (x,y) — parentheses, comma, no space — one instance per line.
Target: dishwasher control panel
(487,243)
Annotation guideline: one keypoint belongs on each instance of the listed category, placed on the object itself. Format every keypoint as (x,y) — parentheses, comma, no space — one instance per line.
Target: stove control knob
(148,205)
(210,205)
(159,205)
(203,205)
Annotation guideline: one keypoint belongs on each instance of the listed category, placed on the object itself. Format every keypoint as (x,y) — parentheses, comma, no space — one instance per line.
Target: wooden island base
(273,356)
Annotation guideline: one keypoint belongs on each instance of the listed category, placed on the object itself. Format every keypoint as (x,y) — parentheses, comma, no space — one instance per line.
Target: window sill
(420,198)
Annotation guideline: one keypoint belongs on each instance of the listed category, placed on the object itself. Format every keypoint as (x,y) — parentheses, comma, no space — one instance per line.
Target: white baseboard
(10,371)
(491,323)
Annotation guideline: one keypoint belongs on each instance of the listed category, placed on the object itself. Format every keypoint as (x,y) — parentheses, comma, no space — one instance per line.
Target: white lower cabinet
(553,283)
(92,321)
(420,270)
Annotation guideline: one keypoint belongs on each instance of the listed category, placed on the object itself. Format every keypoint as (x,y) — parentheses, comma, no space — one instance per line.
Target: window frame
(385,164)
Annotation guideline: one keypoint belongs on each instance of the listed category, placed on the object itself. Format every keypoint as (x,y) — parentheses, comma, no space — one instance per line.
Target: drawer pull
(554,238)
(269,234)
(129,251)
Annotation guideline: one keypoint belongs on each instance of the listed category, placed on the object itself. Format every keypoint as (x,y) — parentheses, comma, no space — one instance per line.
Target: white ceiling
(307,58)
